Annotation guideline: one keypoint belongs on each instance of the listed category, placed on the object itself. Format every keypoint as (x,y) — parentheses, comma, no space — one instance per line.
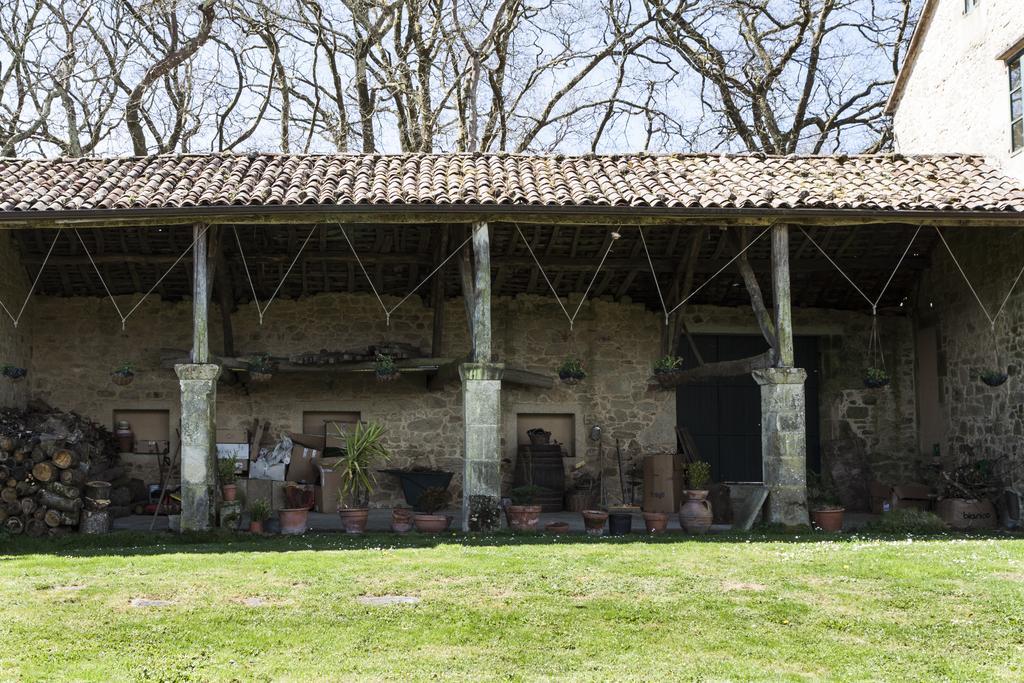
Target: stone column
(481,479)
(198,443)
(784,443)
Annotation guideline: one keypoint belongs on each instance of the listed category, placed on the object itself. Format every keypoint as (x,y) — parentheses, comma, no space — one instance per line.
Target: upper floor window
(1016,103)
(970,4)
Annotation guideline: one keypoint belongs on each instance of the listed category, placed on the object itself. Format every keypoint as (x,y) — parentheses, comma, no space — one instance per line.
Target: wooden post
(481,293)
(781,297)
(200,297)
(437,297)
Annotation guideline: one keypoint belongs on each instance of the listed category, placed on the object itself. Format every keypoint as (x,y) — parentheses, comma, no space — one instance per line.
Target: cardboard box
(258,469)
(663,482)
(263,489)
(961,513)
(302,467)
(903,497)
(317,441)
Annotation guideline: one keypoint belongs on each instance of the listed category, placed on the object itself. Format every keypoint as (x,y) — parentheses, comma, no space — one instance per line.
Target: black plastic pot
(619,523)
(415,483)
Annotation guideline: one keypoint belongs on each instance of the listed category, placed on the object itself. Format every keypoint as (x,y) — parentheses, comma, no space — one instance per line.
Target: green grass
(502,608)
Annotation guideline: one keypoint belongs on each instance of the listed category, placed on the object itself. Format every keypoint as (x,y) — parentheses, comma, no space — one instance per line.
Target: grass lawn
(742,607)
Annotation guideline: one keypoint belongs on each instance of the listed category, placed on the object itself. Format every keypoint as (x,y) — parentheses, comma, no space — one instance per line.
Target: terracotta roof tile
(871,182)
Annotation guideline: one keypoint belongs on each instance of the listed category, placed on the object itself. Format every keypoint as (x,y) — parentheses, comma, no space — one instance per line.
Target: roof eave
(893,102)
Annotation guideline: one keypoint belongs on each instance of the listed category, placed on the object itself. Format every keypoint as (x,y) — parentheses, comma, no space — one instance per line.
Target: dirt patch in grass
(743,586)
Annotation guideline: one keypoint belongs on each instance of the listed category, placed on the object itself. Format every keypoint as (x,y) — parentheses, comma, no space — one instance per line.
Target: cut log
(64,490)
(14,525)
(52,518)
(26,488)
(5,455)
(712,371)
(58,502)
(5,474)
(7,443)
(13,509)
(35,528)
(60,531)
(9,495)
(95,522)
(72,477)
(28,506)
(64,458)
(44,471)
(3,514)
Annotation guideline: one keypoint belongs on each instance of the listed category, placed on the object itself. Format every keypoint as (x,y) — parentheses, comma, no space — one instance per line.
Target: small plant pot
(695,515)
(294,521)
(875,383)
(255,527)
(594,521)
(620,523)
(15,374)
(229,492)
(656,522)
(431,524)
(523,517)
(557,528)
(353,520)
(667,378)
(401,520)
(995,379)
(830,520)
(122,380)
(539,438)
(385,377)
(257,377)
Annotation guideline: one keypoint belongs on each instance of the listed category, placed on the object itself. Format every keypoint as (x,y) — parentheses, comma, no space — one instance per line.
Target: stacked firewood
(48,459)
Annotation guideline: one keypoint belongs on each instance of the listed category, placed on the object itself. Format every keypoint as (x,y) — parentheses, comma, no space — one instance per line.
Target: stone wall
(15,347)
(79,341)
(981,421)
(957,96)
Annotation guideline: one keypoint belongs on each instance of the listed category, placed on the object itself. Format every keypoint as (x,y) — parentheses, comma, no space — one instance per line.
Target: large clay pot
(557,528)
(829,520)
(524,517)
(353,520)
(401,520)
(619,523)
(656,522)
(695,515)
(294,521)
(430,524)
(229,492)
(594,521)
(255,527)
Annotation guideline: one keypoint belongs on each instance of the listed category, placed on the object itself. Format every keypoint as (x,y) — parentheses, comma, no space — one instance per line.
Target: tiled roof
(681,181)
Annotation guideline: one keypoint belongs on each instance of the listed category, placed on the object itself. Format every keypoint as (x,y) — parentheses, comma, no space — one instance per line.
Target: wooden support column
(781,297)
(481,293)
(200,297)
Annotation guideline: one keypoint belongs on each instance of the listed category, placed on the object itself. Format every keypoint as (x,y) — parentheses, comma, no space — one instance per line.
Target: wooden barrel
(542,466)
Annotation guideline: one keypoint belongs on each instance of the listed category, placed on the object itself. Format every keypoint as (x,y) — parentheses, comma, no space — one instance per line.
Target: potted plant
(363,446)
(295,517)
(385,369)
(994,378)
(571,371)
(594,521)
(123,375)
(259,512)
(656,522)
(826,509)
(695,514)
(226,476)
(260,368)
(432,502)
(417,479)
(876,378)
(484,513)
(524,514)
(14,373)
(666,368)
(401,520)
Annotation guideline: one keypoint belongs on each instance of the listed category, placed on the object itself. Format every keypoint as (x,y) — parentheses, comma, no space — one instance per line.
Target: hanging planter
(14,373)
(666,369)
(260,368)
(123,375)
(385,369)
(876,378)
(571,371)
(994,378)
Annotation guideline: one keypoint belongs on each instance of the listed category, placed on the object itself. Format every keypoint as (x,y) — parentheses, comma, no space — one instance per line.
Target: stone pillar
(784,443)
(481,479)
(198,443)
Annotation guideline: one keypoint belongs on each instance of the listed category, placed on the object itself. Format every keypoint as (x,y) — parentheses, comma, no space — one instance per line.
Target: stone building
(746,249)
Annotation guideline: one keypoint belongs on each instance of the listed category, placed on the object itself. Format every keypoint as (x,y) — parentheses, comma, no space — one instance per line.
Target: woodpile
(49,461)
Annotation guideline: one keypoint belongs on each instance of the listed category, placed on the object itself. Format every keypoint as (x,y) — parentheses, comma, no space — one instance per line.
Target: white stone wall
(956,98)
(15,348)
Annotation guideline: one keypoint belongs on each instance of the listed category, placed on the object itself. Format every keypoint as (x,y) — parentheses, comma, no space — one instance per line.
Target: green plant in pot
(364,447)
(666,368)
(14,373)
(571,371)
(259,512)
(993,377)
(123,375)
(826,509)
(876,378)
(226,475)
(695,514)
(260,368)
(385,369)
(432,502)
(298,502)
(524,512)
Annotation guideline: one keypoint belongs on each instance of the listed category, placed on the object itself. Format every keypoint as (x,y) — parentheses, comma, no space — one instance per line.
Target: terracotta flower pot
(353,520)
(430,524)
(255,527)
(401,520)
(294,521)
(557,528)
(594,521)
(695,515)
(830,519)
(656,522)
(524,517)
(229,492)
